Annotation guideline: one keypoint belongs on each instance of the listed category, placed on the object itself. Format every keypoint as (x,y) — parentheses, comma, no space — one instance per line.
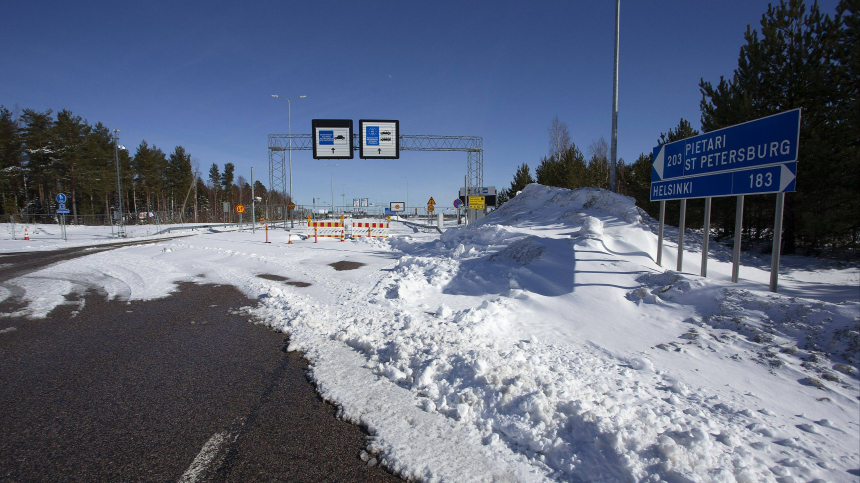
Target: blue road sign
(458,203)
(779,178)
(326,137)
(61,198)
(62,206)
(765,141)
(62,211)
(372,135)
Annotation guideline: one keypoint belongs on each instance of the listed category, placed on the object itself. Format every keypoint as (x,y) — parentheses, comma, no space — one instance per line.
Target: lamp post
(406,208)
(332,186)
(290,127)
(121,229)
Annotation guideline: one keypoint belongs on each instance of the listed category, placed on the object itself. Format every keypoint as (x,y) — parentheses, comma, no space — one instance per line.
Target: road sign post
(681,225)
(241,209)
(755,157)
(706,234)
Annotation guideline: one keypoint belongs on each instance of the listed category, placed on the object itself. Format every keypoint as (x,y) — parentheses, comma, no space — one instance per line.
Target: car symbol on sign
(386,132)
(385,139)
(339,137)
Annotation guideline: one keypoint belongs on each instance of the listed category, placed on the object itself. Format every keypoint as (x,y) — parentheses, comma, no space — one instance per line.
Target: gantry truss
(280,144)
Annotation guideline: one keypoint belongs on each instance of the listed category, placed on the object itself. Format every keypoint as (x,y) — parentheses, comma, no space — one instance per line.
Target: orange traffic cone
(26,234)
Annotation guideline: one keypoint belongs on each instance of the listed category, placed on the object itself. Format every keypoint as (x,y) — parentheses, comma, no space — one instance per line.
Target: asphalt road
(183,388)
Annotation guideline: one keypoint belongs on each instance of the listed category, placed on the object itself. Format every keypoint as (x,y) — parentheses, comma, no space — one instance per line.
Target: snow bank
(543,343)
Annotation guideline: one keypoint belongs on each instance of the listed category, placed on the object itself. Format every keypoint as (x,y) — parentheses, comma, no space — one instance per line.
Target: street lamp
(121,228)
(332,186)
(406,208)
(290,125)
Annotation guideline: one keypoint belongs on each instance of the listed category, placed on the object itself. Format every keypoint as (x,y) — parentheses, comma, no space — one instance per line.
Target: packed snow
(541,343)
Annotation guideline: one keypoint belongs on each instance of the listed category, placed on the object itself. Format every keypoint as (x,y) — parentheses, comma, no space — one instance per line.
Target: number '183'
(761,179)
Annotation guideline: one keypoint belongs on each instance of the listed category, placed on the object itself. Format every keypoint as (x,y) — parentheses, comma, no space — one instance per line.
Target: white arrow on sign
(785,177)
(658,163)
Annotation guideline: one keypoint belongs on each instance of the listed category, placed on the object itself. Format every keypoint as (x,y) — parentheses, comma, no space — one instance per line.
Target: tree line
(800,58)
(42,155)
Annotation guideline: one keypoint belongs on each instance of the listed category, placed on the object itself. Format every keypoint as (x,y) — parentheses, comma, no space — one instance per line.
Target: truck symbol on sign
(385,139)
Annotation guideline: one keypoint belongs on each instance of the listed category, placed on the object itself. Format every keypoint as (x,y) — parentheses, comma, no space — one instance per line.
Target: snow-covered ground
(50,237)
(542,343)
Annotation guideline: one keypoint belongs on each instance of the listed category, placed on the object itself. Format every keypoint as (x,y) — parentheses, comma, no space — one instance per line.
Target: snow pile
(545,205)
(592,227)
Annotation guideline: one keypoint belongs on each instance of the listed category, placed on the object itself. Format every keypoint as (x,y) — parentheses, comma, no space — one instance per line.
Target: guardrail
(421,227)
(214,225)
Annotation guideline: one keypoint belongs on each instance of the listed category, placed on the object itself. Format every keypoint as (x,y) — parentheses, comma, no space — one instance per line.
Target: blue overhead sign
(372,133)
(326,137)
(765,141)
(779,178)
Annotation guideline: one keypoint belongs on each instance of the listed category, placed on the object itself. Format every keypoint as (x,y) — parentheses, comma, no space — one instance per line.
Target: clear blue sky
(201,75)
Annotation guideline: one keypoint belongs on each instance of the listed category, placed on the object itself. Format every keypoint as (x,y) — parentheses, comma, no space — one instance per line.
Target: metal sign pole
(681,222)
(660,234)
(706,236)
(736,252)
(777,242)
(253,200)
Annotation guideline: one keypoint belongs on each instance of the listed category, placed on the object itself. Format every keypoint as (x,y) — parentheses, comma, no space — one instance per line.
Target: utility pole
(253,201)
(612,165)
(196,178)
(332,186)
(121,228)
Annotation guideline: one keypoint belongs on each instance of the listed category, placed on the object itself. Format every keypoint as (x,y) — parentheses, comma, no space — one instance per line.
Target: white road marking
(207,456)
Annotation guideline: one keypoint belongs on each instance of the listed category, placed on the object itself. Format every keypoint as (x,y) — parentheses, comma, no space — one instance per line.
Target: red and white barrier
(370,229)
(326,229)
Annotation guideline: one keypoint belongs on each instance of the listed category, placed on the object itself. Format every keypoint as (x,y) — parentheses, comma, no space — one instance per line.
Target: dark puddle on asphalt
(279,278)
(345,265)
(276,278)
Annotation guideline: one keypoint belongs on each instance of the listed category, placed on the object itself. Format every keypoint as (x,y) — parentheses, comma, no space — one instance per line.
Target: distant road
(176,389)
(21,263)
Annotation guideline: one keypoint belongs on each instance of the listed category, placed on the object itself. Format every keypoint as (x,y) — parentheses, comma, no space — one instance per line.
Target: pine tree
(38,138)
(70,132)
(598,164)
(12,171)
(799,62)
(215,181)
(227,181)
(178,177)
(522,178)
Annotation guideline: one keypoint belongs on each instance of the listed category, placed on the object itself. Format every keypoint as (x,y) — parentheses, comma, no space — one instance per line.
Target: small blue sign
(372,135)
(769,140)
(458,203)
(770,179)
(62,206)
(326,137)
(63,211)
(61,198)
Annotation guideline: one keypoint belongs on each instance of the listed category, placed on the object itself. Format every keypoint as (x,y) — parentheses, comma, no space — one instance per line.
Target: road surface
(183,388)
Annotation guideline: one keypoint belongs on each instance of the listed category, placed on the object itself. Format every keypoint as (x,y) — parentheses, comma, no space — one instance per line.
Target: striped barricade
(370,229)
(328,229)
